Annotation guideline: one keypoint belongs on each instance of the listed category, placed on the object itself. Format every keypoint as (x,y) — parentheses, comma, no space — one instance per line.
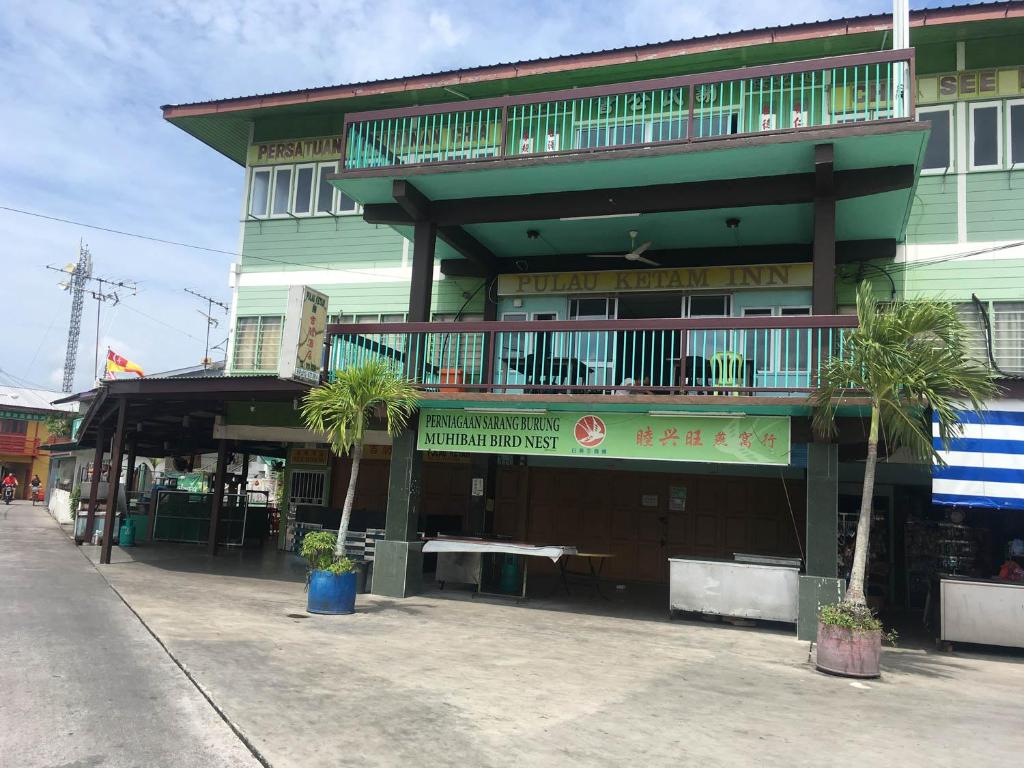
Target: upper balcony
(690,109)
(765,357)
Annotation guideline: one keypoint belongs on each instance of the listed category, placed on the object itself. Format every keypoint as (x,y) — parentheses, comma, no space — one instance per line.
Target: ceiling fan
(635,254)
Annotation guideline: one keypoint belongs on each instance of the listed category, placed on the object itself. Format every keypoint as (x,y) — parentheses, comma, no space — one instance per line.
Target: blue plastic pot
(331,593)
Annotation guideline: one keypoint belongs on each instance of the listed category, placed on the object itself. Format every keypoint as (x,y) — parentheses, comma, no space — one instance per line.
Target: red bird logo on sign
(590,431)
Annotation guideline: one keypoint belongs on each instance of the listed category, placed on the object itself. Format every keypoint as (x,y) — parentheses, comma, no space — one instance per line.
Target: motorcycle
(8,494)
(37,495)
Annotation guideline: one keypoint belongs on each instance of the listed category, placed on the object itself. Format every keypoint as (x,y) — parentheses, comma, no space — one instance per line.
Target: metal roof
(34,399)
(760,35)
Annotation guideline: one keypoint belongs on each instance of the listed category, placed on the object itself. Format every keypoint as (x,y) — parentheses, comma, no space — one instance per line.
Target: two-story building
(615,276)
(24,433)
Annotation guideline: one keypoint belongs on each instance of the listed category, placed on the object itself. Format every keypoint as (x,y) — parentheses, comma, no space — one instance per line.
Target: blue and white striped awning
(985,465)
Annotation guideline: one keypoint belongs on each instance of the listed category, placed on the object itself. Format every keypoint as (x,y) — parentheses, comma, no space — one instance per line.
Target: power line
(158,320)
(139,236)
(114,231)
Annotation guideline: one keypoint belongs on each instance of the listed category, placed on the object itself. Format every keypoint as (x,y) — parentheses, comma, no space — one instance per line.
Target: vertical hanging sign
(302,338)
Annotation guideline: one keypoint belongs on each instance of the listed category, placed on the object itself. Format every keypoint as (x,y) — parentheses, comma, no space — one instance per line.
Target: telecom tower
(80,274)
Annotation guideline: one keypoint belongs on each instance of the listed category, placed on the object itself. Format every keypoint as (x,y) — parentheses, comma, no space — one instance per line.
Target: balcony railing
(769,356)
(784,97)
(19,444)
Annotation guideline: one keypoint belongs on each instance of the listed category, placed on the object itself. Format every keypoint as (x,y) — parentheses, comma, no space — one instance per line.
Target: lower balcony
(18,444)
(754,356)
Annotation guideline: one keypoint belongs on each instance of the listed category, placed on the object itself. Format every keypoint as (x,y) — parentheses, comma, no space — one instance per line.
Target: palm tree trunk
(350,497)
(855,592)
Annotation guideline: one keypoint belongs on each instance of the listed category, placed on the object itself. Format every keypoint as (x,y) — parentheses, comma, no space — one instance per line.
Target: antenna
(81,277)
(211,321)
(78,274)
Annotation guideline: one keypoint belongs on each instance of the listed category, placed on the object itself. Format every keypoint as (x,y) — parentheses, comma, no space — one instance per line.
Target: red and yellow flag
(118,364)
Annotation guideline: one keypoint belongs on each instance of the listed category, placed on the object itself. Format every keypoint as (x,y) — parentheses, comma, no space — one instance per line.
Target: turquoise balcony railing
(785,97)
(768,356)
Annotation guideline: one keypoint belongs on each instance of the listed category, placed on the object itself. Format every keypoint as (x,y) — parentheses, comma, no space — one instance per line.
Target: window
(307,486)
(259,196)
(302,205)
(708,306)
(938,155)
(1015,130)
(282,191)
(324,190)
(257,343)
(986,136)
(13,427)
(974,327)
(1008,336)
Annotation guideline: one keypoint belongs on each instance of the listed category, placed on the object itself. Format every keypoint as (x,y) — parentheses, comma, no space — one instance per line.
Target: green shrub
(318,550)
(75,501)
(859,618)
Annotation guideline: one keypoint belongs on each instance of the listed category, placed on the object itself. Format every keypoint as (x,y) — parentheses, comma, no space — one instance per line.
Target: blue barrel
(331,593)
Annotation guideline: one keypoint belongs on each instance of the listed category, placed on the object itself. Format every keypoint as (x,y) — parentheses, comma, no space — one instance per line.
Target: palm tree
(341,411)
(906,357)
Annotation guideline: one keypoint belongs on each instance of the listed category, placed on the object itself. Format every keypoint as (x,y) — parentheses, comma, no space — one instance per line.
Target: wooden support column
(129,479)
(114,481)
(820,584)
(422,283)
(823,295)
(94,487)
(218,495)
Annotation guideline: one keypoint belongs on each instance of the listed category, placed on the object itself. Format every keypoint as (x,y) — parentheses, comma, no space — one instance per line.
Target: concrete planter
(849,652)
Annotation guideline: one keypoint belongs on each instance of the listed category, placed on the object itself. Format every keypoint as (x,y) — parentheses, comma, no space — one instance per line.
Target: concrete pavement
(82,682)
(443,680)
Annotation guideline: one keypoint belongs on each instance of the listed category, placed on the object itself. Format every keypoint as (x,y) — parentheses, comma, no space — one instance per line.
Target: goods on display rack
(939,547)
(878,586)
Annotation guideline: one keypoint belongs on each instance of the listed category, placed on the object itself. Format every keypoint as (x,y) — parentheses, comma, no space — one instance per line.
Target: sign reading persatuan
(615,435)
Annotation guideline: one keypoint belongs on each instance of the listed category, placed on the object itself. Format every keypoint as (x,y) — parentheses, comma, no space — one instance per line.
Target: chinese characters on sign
(302,340)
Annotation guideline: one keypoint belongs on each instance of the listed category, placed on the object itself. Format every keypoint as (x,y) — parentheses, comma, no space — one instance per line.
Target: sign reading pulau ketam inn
(686,278)
(302,339)
(720,439)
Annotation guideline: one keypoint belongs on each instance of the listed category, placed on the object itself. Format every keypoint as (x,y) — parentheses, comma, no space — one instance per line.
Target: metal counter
(731,588)
(984,611)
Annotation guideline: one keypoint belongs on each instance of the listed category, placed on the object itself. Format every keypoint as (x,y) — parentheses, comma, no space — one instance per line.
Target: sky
(82,135)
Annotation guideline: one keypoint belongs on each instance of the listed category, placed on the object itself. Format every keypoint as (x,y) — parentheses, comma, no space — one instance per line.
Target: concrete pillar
(823,268)
(398,559)
(820,585)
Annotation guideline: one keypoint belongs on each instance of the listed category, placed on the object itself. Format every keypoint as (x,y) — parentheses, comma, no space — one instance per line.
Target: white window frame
(252,188)
(951,165)
(1010,103)
(357,210)
(998,105)
(273,191)
(295,190)
(334,192)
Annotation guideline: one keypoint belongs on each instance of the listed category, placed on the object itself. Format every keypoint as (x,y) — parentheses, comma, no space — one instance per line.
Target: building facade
(615,277)
(24,431)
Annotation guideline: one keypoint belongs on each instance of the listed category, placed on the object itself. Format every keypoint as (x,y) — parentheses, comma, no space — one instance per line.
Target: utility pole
(104,291)
(211,321)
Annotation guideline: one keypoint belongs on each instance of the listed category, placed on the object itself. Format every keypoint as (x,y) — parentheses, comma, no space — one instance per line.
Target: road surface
(82,682)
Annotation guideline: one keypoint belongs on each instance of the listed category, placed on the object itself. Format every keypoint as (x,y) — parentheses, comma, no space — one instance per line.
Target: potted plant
(906,357)
(341,411)
(331,579)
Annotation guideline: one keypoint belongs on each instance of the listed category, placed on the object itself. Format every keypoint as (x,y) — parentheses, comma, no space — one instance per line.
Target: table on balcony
(540,370)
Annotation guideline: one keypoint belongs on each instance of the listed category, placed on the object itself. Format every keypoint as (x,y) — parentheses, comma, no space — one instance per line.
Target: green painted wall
(955,280)
(995,205)
(933,214)
(341,244)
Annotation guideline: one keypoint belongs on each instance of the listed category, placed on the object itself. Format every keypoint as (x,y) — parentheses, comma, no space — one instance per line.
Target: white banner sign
(302,339)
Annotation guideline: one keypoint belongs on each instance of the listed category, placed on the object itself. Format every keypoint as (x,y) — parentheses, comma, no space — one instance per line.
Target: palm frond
(342,409)
(906,357)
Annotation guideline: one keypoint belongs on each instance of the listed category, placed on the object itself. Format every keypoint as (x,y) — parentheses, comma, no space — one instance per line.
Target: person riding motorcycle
(35,486)
(10,484)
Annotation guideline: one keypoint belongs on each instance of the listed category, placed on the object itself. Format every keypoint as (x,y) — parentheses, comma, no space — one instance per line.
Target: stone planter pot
(849,652)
